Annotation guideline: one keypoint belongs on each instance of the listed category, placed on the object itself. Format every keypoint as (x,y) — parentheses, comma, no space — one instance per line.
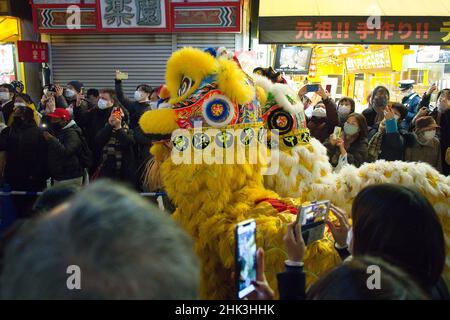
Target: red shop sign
(31,51)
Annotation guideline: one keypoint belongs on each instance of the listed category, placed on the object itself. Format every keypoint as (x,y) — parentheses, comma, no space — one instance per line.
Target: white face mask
(349,240)
(19,104)
(70,93)
(154,105)
(319,112)
(103,104)
(344,110)
(4,96)
(139,95)
(428,135)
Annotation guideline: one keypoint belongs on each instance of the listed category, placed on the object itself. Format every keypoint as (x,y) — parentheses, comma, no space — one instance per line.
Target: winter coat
(322,128)
(26,157)
(429,153)
(135,108)
(64,152)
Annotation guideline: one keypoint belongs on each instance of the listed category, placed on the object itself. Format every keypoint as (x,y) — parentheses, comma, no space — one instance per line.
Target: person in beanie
(426,147)
(73,97)
(64,145)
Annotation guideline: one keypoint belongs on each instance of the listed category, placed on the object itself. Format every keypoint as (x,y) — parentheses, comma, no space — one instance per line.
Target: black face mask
(56,126)
(380,101)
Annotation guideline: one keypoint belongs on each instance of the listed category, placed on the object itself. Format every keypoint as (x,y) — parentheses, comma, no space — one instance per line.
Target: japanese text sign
(30,51)
(355,29)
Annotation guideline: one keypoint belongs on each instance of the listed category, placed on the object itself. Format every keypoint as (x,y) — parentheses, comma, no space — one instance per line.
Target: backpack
(85,154)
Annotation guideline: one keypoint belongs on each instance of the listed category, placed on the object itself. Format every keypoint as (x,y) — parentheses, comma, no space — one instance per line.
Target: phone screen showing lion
(312,218)
(245,257)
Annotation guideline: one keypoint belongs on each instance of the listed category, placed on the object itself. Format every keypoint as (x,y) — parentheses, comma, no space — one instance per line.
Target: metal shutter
(205,40)
(93,59)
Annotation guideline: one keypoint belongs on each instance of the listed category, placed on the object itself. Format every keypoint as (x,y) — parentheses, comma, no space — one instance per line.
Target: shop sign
(30,51)
(355,30)
(369,61)
(122,16)
(117,15)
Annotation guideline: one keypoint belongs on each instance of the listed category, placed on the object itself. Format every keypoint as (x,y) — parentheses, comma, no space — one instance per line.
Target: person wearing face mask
(115,143)
(6,103)
(72,99)
(442,105)
(411,101)
(374,114)
(21,100)
(345,107)
(426,147)
(323,118)
(390,141)
(64,148)
(352,148)
(137,106)
(26,158)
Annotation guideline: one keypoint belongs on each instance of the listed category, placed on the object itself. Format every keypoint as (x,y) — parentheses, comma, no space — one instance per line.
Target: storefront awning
(271,8)
(9,29)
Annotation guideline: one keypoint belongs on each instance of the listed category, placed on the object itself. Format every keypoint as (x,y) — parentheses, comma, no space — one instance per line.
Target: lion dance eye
(186,84)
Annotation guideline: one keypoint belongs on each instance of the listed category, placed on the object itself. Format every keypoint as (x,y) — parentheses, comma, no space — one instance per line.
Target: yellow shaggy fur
(231,80)
(211,199)
(190,62)
(161,121)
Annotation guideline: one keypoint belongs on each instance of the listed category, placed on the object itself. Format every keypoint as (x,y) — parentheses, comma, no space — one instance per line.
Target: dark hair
(362,124)
(54,196)
(349,281)
(145,87)
(124,246)
(442,91)
(378,88)
(399,225)
(8,86)
(349,100)
(23,96)
(93,92)
(401,109)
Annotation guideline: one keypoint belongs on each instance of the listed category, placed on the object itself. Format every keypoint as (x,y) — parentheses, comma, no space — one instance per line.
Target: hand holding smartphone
(245,257)
(337,133)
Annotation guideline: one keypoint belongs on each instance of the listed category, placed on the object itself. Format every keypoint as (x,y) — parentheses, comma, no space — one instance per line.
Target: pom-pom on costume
(212,197)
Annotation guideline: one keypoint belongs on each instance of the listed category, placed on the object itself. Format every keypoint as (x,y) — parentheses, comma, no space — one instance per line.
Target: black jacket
(26,157)
(64,151)
(92,121)
(127,173)
(7,110)
(135,108)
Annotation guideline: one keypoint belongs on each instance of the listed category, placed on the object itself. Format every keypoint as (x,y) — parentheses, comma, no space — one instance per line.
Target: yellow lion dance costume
(211,198)
(305,171)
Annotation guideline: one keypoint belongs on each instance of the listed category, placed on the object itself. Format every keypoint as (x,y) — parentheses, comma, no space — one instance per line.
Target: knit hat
(17,85)
(425,123)
(77,85)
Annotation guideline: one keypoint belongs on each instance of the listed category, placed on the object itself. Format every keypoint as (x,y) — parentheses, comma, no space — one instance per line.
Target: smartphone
(312,218)
(312,88)
(122,75)
(245,257)
(117,113)
(328,88)
(337,132)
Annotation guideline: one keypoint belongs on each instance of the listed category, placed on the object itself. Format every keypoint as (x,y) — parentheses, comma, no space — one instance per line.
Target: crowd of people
(393,227)
(73,136)
(412,131)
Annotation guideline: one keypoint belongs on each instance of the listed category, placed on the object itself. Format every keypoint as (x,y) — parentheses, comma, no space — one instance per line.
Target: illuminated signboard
(369,61)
